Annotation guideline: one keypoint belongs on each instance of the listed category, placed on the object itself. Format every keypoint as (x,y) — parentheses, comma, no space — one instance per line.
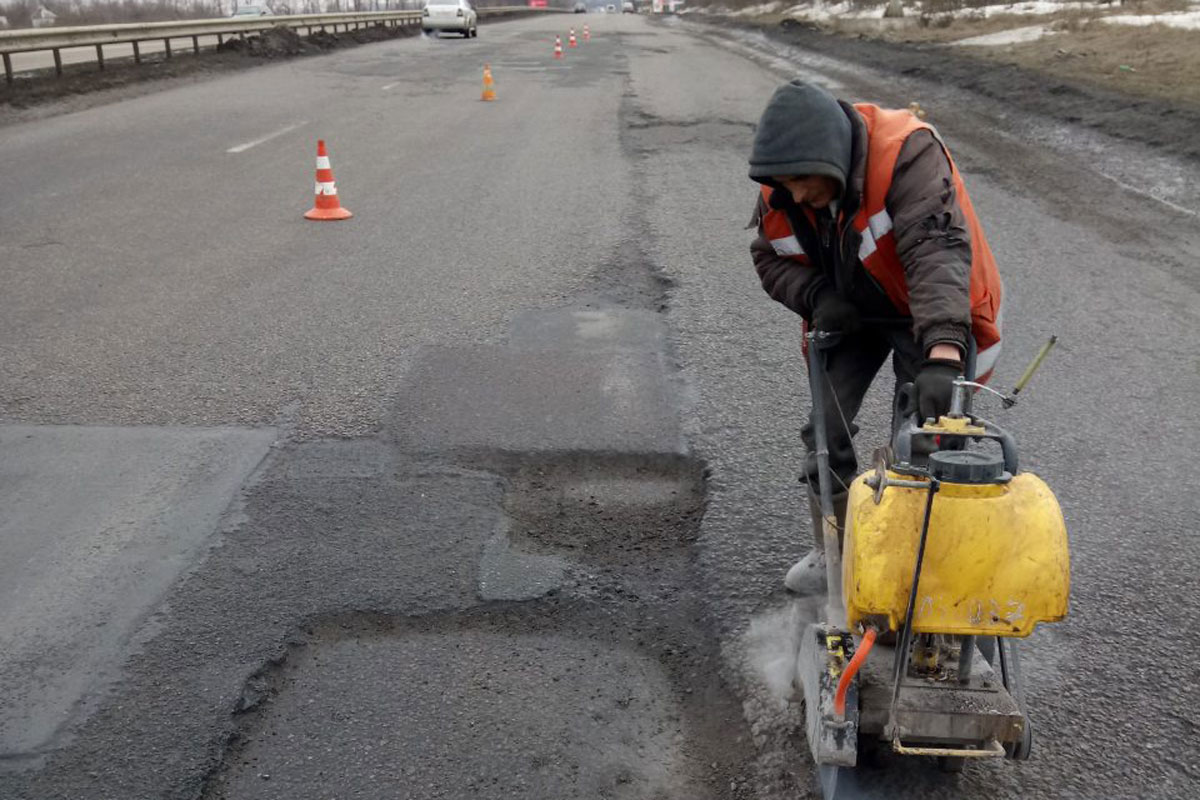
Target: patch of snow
(823,11)
(758,11)
(820,11)
(1188,20)
(1029,33)
(1031,8)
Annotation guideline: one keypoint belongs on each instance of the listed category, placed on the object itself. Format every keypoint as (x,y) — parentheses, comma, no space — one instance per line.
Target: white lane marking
(390,86)
(241,148)
(1147,195)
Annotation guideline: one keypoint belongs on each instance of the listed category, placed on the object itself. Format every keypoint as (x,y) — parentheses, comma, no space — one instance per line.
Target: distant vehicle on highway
(252,11)
(627,8)
(581,8)
(610,9)
(458,16)
(43,18)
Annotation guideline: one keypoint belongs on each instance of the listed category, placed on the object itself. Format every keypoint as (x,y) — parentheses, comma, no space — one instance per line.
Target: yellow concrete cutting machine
(949,555)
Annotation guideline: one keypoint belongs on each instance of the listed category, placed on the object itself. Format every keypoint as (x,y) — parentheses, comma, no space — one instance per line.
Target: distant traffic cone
(558,53)
(327,205)
(587,35)
(571,42)
(489,86)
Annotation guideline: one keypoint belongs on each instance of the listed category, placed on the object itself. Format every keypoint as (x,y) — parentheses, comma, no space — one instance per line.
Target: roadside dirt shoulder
(81,86)
(1038,79)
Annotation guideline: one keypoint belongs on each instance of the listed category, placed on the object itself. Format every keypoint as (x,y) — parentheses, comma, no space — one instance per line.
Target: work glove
(935,386)
(833,314)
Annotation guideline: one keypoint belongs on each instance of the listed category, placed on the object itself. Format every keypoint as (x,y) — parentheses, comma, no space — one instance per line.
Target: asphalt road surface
(489,491)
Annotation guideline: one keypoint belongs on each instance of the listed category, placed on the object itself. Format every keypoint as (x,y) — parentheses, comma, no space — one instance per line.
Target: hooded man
(863,219)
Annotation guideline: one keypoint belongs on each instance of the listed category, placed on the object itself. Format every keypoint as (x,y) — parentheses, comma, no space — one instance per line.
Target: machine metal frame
(956,698)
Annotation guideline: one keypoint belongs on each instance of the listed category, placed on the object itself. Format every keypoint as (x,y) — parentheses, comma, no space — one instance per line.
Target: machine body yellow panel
(996,559)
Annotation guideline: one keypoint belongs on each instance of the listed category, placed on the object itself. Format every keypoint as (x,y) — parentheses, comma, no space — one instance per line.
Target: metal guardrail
(56,39)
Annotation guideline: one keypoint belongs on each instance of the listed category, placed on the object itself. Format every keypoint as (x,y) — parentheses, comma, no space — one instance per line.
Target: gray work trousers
(850,366)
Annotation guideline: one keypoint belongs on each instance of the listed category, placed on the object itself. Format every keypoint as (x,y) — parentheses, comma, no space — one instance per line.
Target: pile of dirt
(283,42)
(377,33)
(120,78)
(323,40)
(274,43)
(271,43)
(277,42)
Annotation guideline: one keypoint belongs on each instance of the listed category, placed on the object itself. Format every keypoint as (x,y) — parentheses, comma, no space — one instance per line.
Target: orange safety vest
(886,133)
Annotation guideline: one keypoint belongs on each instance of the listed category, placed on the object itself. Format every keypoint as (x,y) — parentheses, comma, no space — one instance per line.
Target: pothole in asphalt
(607,686)
(618,508)
(551,699)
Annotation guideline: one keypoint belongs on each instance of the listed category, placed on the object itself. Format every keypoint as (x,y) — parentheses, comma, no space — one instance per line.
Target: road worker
(865,230)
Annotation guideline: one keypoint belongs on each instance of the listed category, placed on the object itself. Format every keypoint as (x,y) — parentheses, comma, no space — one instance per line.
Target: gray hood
(803,131)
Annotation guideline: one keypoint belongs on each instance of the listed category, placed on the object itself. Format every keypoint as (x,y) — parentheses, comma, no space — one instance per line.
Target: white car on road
(252,11)
(456,16)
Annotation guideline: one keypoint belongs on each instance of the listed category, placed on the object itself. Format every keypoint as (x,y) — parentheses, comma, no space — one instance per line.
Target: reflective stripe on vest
(986,357)
(788,246)
(879,225)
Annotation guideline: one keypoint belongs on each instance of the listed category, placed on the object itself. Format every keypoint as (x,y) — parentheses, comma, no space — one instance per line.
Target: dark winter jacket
(932,238)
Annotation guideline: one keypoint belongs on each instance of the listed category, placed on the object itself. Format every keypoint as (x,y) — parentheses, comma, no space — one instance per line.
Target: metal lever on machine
(835,609)
(1011,400)
(879,481)
(991,749)
(901,666)
(958,401)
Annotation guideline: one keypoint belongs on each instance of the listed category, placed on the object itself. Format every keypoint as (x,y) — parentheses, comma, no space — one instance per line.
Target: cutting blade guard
(825,652)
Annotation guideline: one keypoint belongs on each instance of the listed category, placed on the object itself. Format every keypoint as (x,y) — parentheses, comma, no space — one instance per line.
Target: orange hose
(839,698)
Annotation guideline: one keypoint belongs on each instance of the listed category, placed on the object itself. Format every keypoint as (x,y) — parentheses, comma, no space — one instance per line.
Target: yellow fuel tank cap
(966,466)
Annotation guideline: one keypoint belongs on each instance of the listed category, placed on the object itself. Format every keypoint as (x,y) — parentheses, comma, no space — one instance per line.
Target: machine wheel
(953,764)
(1020,751)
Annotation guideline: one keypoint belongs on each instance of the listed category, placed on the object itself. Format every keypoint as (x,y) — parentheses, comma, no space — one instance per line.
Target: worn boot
(807,576)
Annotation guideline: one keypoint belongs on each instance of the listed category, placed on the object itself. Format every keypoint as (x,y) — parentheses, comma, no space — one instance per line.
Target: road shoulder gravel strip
(1169,127)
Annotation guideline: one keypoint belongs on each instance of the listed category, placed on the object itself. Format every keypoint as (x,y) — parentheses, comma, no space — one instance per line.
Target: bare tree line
(20,13)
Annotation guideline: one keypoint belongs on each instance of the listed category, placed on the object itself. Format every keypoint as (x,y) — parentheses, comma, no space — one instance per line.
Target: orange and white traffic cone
(558,53)
(327,205)
(489,85)
(587,35)
(571,42)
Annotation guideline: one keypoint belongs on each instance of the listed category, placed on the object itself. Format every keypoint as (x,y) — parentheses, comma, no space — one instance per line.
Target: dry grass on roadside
(1154,60)
(1153,6)
(930,29)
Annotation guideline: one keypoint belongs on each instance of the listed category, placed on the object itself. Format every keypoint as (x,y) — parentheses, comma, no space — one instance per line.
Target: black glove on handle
(935,386)
(834,314)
